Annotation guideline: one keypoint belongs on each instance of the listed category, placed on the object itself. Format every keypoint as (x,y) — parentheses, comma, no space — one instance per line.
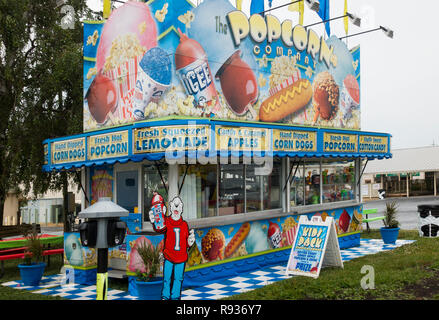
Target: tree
(40,88)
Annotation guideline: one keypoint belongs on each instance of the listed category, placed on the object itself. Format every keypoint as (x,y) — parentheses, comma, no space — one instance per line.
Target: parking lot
(407,215)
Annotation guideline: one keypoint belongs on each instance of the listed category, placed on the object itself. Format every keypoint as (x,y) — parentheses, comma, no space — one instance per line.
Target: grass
(406,273)
(12,273)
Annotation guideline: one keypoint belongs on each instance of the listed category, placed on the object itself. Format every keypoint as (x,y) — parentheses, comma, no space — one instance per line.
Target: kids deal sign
(315,246)
(164,58)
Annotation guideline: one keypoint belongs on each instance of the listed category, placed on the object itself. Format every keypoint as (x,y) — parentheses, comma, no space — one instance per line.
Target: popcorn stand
(251,120)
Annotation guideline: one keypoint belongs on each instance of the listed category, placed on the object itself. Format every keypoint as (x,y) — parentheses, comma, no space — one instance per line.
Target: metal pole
(434,182)
(287,193)
(102,274)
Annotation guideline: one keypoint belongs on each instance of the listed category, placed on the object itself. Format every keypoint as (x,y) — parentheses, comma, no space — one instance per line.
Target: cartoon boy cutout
(178,239)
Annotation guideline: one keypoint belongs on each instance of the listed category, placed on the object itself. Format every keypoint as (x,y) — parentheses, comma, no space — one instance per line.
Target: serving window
(231,194)
(227,189)
(198,190)
(304,182)
(338,181)
(263,192)
(316,181)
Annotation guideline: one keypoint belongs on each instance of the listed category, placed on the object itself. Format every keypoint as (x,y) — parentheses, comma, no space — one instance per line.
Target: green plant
(34,248)
(390,220)
(150,256)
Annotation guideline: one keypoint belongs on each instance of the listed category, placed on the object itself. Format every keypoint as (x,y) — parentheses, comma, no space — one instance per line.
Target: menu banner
(242,139)
(292,140)
(108,145)
(173,138)
(375,144)
(337,142)
(68,151)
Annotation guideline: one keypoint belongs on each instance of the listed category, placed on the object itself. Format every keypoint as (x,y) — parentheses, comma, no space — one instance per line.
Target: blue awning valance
(205,138)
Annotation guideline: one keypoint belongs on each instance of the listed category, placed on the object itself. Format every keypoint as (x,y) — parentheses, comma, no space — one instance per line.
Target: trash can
(428,220)
(381,193)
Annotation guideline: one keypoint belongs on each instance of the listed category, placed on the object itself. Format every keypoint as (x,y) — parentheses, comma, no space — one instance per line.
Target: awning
(200,139)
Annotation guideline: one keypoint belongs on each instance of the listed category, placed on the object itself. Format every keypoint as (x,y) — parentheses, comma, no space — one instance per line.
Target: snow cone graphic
(154,78)
(194,72)
(344,221)
(350,96)
(274,234)
(159,209)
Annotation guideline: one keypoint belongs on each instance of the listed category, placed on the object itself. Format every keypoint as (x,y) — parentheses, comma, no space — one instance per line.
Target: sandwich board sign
(315,246)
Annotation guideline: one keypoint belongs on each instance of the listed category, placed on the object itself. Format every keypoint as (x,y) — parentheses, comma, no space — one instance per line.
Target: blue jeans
(172,280)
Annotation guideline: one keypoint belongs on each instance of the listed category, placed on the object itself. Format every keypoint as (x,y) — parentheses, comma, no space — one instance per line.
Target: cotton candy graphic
(130,28)
(257,239)
(135,261)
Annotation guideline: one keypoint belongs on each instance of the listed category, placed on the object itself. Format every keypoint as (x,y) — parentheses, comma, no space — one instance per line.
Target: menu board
(292,140)
(67,151)
(171,138)
(373,144)
(242,139)
(108,145)
(338,142)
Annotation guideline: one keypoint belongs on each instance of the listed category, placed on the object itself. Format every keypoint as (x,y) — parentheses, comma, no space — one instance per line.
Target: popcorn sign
(157,59)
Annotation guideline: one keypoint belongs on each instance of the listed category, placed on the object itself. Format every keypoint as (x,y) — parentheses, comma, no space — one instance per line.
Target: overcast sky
(397,85)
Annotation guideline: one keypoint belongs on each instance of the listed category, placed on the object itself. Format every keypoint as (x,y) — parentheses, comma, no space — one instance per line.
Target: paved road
(407,215)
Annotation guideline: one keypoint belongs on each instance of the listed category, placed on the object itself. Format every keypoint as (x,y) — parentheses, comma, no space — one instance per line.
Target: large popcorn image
(159,59)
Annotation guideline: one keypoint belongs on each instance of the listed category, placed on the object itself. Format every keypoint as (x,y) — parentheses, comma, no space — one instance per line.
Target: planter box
(151,290)
(31,274)
(389,235)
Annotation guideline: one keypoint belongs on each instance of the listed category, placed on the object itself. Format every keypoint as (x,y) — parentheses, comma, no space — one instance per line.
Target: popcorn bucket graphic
(289,235)
(125,77)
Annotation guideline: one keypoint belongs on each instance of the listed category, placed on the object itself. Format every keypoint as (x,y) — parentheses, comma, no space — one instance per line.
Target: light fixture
(354,19)
(388,32)
(312,4)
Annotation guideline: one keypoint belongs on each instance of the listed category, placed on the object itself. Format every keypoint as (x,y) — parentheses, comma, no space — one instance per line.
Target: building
(45,209)
(419,166)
